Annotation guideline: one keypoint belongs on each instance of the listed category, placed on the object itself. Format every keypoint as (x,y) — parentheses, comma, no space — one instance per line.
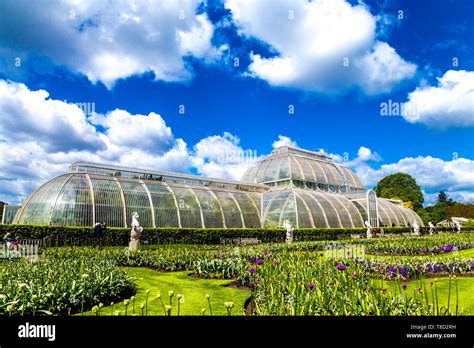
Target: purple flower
(311,286)
(276,262)
(255,282)
(354,275)
(420,290)
(341,267)
(259,262)
(384,290)
(448,248)
(251,270)
(252,259)
(404,286)
(419,268)
(391,269)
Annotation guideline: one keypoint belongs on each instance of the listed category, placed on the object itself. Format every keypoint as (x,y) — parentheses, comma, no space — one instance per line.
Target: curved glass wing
(136,200)
(74,203)
(39,207)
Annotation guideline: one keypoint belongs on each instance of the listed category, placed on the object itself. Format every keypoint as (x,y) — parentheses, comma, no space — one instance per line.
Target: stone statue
(289,231)
(369,229)
(458,226)
(431,227)
(416,229)
(135,234)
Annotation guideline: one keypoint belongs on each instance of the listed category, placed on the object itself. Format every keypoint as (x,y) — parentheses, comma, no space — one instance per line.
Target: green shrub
(83,236)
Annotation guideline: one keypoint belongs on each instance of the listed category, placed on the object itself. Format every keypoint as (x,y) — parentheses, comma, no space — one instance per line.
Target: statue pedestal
(133,246)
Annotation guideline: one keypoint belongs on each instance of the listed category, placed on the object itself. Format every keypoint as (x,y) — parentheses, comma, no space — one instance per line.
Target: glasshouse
(304,187)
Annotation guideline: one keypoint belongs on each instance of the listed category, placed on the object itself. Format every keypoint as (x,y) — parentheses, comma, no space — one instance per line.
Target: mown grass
(430,287)
(193,289)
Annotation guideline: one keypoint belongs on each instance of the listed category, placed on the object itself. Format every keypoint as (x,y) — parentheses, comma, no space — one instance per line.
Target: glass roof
(147,174)
(306,169)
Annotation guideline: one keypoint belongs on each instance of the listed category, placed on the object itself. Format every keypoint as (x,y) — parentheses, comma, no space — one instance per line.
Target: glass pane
(136,200)
(315,209)
(233,218)
(210,209)
(74,204)
(304,218)
(108,201)
(249,211)
(329,210)
(284,171)
(164,205)
(188,207)
(39,208)
(341,211)
(278,206)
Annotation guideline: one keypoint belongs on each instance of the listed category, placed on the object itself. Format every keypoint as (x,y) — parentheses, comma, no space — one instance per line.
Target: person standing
(103,228)
(97,234)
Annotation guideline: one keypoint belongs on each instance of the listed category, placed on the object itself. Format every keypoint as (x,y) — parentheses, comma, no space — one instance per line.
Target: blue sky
(333,62)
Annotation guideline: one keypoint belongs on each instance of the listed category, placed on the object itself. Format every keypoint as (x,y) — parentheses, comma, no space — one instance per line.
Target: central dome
(293,167)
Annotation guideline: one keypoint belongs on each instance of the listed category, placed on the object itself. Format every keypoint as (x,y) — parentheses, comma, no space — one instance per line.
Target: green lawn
(193,289)
(465,292)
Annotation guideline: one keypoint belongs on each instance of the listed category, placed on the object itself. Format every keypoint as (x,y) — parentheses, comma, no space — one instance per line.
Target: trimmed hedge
(67,235)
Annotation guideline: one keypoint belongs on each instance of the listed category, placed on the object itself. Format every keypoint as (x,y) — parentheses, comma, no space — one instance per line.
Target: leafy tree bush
(437,212)
(443,198)
(460,210)
(82,236)
(400,186)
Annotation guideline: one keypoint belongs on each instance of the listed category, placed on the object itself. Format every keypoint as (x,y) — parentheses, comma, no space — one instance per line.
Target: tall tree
(444,198)
(402,186)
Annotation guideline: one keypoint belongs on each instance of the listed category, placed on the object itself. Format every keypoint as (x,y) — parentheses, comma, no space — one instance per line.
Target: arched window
(372,208)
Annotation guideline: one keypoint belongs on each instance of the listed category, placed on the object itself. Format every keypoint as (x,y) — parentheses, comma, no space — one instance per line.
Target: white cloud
(451,103)
(382,68)
(433,174)
(24,112)
(364,155)
(41,137)
(109,40)
(314,40)
(122,129)
(455,177)
(283,141)
(222,157)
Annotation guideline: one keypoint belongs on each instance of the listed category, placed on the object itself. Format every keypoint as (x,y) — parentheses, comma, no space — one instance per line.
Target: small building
(9,212)
(451,221)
